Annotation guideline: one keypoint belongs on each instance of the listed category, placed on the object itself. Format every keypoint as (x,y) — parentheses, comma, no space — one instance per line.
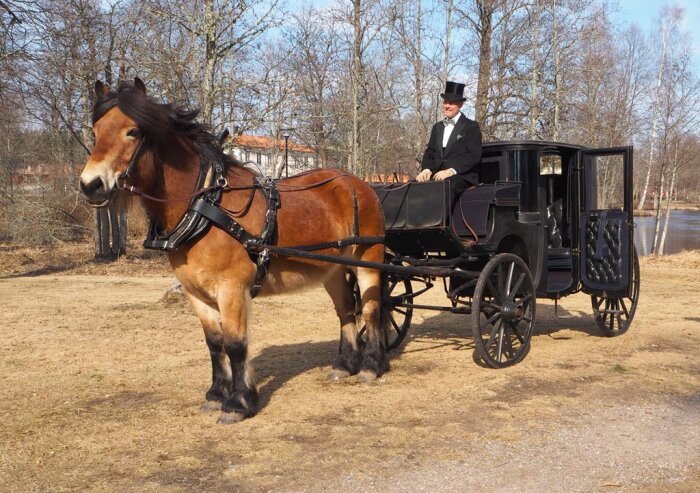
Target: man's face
(451,108)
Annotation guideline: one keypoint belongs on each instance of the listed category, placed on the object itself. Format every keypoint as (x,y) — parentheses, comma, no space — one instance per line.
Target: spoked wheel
(396,292)
(614,315)
(503,311)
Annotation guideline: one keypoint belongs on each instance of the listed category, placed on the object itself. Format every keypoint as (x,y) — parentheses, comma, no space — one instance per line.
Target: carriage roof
(529,144)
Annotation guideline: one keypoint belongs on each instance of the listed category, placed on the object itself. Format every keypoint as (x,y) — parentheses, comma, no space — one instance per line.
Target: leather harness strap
(205,209)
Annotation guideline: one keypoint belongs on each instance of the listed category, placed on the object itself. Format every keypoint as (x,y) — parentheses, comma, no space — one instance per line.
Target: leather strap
(225,222)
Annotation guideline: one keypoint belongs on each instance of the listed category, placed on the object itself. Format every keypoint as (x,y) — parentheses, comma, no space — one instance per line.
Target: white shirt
(449,129)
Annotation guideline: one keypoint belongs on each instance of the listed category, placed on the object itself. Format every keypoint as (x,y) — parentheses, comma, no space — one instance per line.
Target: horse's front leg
(210,319)
(242,403)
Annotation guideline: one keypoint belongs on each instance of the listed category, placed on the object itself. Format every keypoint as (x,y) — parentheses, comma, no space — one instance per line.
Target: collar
(455,118)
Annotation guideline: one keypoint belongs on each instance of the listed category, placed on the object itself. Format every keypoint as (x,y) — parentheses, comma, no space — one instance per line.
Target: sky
(645,13)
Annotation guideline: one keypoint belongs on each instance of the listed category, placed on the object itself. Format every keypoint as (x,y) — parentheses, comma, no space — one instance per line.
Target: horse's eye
(133,132)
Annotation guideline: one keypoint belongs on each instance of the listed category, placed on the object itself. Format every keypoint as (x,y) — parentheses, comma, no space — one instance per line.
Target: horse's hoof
(230,418)
(211,406)
(336,374)
(366,376)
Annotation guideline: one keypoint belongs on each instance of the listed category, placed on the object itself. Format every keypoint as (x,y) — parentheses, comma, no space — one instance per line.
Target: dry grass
(102,382)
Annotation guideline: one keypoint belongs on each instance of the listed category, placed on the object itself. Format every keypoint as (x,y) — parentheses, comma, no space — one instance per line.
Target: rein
(135,157)
(221,183)
(196,193)
(205,209)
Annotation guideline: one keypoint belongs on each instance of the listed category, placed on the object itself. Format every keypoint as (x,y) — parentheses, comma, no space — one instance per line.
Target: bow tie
(447,122)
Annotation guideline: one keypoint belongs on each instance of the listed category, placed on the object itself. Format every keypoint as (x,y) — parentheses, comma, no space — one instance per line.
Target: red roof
(258,142)
(388,178)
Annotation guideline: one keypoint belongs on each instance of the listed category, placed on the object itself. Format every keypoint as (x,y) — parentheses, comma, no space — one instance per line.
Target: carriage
(547,219)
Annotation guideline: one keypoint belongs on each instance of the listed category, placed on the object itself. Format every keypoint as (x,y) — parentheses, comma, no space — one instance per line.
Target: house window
(258,157)
(247,155)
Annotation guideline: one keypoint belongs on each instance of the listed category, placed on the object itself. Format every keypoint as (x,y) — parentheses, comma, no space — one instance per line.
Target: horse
(157,150)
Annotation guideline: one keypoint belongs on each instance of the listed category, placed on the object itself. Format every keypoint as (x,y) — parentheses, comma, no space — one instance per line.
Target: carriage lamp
(286,133)
(550,164)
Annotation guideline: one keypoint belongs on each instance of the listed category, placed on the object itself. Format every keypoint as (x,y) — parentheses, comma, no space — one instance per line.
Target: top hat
(454,91)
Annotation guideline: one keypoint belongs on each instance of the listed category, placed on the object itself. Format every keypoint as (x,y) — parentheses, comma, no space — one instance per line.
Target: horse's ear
(101,89)
(138,84)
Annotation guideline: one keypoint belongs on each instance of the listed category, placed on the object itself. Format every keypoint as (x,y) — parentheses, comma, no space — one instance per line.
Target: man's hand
(424,175)
(441,175)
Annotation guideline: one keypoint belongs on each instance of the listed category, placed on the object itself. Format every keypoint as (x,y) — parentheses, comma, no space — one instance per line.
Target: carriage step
(611,312)
(556,311)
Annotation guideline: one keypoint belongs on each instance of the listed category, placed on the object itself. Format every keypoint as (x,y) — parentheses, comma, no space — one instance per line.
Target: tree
(312,60)
(669,19)
(678,108)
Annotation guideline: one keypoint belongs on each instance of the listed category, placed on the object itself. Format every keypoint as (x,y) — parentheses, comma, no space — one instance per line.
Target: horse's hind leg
(221,371)
(374,360)
(348,361)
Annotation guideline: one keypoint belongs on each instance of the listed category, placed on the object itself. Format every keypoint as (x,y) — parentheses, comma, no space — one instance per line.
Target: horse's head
(118,143)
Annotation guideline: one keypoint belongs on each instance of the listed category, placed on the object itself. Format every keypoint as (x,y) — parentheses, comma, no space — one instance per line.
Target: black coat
(463,151)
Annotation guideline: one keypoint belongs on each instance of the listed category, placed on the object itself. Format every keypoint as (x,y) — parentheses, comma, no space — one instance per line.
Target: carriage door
(606,221)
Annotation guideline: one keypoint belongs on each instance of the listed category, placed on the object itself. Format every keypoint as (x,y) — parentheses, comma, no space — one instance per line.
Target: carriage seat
(555,224)
(558,255)
(471,211)
(414,205)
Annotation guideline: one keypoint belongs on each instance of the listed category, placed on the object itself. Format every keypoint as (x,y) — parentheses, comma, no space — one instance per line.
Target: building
(31,176)
(388,178)
(38,178)
(268,154)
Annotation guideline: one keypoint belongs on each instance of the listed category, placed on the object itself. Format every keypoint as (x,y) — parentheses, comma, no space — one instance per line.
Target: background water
(683,232)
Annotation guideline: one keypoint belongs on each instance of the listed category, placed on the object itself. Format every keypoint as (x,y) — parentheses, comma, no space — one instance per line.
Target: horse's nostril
(91,188)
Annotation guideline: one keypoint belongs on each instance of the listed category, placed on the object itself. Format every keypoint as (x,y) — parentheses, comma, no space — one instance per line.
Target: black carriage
(547,219)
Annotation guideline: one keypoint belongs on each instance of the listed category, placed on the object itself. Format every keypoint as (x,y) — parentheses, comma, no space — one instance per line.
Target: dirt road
(102,382)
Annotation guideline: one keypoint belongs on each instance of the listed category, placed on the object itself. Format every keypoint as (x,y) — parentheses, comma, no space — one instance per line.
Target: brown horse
(158,147)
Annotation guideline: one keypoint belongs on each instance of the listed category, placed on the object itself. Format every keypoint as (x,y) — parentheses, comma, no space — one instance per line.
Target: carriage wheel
(395,291)
(503,311)
(614,315)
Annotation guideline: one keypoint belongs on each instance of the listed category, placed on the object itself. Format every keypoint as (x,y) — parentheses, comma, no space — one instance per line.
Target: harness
(205,209)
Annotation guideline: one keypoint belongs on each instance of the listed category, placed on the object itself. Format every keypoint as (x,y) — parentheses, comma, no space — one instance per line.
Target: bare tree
(313,58)
(670,17)
(679,105)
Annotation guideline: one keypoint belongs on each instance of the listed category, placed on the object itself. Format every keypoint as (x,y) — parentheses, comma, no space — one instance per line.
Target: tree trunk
(657,222)
(534,105)
(448,35)
(420,132)
(557,73)
(662,242)
(210,57)
(104,250)
(356,81)
(666,30)
(482,88)
(110,231)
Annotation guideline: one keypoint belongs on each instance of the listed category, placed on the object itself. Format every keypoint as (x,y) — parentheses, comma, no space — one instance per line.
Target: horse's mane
(158,121)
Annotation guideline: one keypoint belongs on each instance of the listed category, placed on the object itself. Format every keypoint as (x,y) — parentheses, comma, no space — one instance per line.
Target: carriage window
(550,165)
(607,187)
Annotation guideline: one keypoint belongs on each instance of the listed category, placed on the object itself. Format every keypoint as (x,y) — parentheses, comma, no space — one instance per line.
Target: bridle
(138,152)
(220,181)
